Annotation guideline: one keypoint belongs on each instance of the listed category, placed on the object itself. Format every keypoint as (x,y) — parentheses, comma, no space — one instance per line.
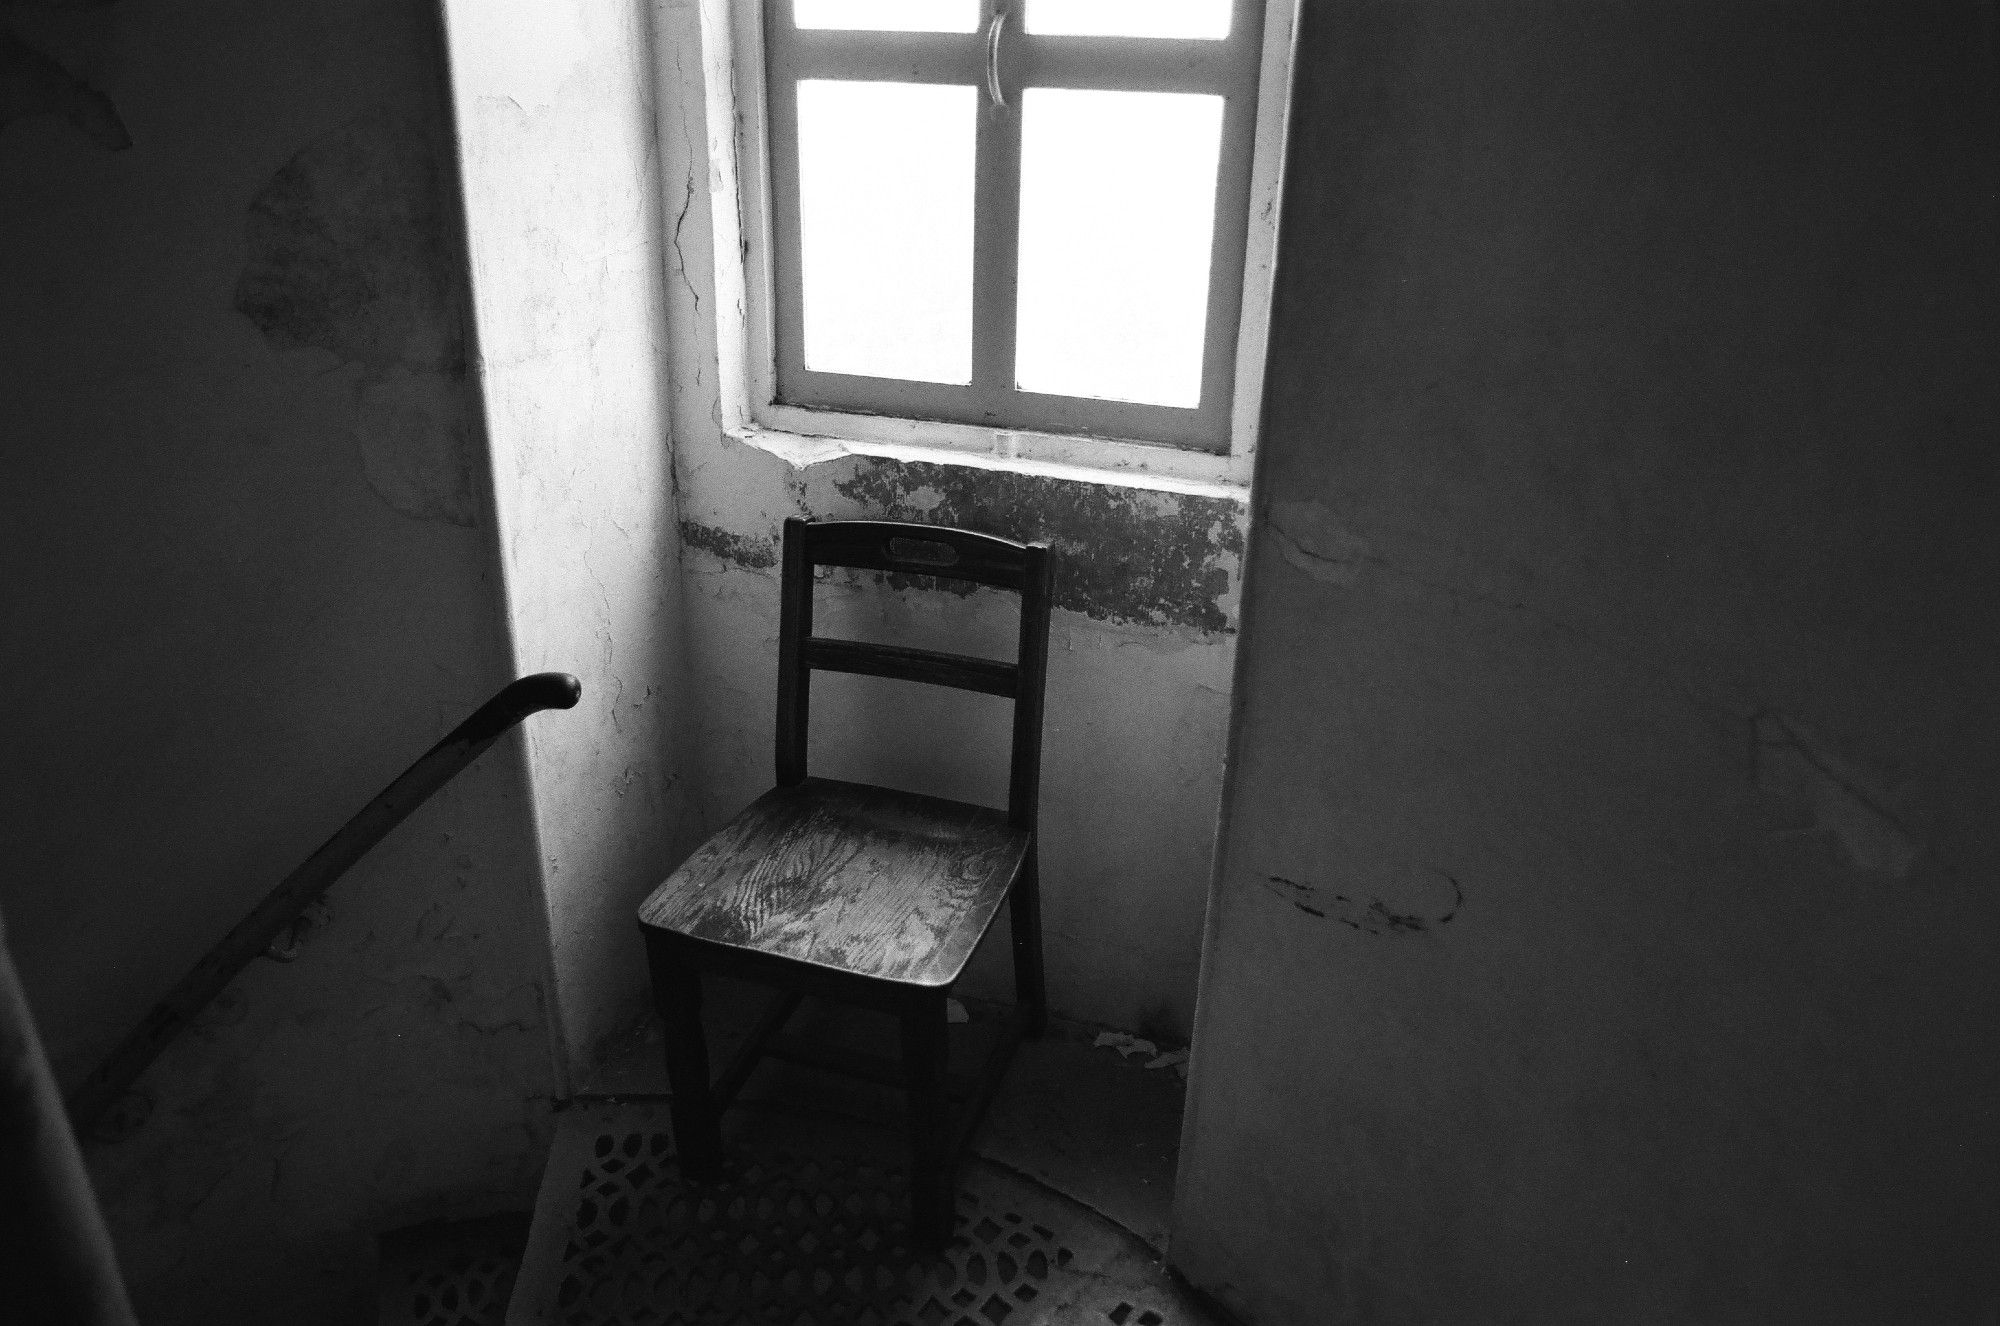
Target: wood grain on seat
(878,883)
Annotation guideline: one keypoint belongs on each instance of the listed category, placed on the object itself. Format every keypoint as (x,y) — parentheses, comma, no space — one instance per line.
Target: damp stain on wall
(1124,554)
(352,250)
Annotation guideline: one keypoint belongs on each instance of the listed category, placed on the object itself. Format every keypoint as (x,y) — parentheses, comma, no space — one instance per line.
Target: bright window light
(888,15)
(1117,222)
(885,219)
(1185,19)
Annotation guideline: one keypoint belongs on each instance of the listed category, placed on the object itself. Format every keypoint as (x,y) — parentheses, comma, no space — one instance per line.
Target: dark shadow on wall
(32,83)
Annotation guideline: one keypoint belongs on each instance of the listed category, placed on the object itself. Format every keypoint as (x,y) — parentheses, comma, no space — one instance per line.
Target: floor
(1090,1120)
(1064,1204)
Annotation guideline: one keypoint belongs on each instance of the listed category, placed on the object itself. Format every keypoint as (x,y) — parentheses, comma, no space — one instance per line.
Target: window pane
(1127,18)
(888,15)
(1117,213)
(885,228)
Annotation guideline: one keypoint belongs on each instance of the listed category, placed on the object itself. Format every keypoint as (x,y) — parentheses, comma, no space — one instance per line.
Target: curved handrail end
(545,690)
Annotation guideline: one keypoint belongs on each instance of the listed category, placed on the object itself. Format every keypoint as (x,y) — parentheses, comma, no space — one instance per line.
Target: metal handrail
(300,889)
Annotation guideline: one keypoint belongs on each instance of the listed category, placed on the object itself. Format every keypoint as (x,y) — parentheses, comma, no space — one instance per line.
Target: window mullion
(996,225)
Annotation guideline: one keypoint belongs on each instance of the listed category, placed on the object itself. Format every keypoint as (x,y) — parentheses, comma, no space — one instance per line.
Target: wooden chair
(870,896)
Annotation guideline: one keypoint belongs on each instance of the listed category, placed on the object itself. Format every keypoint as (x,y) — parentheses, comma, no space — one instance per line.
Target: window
(1032,228)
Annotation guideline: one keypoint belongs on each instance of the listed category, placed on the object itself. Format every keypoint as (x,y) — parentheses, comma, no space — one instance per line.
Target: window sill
(1077,459)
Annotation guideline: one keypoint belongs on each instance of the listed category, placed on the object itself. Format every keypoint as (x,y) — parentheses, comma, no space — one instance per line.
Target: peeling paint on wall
(33,84)
(756,554)
(1127,554)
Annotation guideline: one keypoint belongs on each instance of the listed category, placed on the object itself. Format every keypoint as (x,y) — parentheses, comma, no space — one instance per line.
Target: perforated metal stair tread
(817,1236)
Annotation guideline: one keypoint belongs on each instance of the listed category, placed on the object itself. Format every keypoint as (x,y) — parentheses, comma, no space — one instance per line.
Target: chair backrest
(927,550)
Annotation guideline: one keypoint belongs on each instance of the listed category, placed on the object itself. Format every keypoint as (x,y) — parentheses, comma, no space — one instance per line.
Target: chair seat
(865,880)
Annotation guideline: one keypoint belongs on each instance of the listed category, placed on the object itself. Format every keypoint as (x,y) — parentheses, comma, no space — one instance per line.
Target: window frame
(747,300)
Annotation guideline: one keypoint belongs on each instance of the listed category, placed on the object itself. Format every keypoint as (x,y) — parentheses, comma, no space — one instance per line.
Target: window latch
(993,29)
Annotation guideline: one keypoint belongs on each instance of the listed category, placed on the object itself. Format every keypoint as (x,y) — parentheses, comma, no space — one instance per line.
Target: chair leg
(697,1125)
(1026,922)
(925,1053)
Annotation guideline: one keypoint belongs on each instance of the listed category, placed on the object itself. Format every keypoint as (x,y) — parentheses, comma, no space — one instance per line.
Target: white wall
(556,128)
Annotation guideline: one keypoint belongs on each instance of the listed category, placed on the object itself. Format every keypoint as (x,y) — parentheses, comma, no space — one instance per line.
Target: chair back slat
(960,671)
(924,550)
(901,548)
